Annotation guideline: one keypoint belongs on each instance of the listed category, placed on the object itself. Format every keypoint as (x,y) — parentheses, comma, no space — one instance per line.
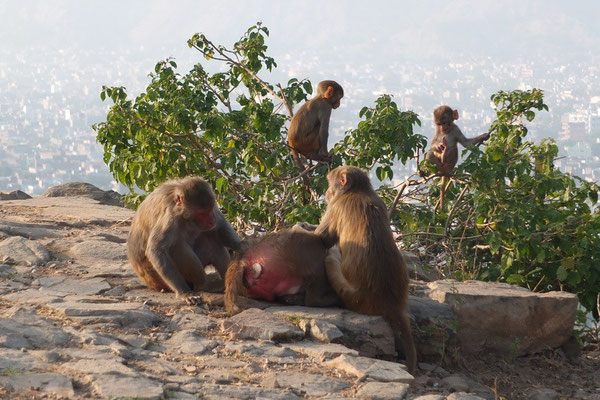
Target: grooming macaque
(309,127)
(367,271)
(285,263)
(177,231)
(444,145)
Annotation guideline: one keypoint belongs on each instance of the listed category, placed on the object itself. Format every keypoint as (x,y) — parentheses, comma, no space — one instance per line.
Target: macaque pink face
(205,217)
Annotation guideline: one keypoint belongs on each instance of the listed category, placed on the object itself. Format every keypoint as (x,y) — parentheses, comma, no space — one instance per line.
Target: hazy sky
(375,30)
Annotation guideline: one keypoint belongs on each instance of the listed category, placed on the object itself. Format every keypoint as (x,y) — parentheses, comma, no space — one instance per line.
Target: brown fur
(309,127)
(444,145)
(168,248)
(300,252)
(368,272)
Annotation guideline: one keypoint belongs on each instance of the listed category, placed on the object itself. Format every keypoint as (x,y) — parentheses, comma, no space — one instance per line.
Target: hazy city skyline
(56,55)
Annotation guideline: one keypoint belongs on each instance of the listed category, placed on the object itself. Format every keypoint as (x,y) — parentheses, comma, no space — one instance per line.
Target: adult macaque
(285,263)
(177,231)
(444,145)
(309,127)
(367,270)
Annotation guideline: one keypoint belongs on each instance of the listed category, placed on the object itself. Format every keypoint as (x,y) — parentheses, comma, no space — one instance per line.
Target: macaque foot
(191,299)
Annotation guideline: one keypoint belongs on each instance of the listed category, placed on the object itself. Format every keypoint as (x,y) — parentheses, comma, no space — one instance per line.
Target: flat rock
(26,329)
(430,397)
(30,231)
(383,390)
(105,367)
(379,370)
(18,361)
(191,320)
(371,336)
(83,287)
(309,384)
(257,324)
(135,387)
(36,296)
(69,209)
(321,351)
(24,251)
(217,392)
(98,250)
(132,315)
(505,318)
(436,326)
(464,396)
(264,351)
(48,383)
(187,342)
(321,330)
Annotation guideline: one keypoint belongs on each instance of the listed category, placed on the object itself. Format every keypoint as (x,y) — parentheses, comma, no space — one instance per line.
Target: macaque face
(205,217)
(445,123)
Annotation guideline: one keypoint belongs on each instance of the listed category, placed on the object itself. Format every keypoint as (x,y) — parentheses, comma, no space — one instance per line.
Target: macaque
(367,270)
(286,264)
(444,145)
(177,231)
(309,127)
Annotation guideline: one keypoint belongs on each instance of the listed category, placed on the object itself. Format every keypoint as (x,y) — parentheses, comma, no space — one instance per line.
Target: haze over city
(56,56)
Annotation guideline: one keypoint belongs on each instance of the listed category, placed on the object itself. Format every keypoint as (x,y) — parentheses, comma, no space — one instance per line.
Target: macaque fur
(444,145)
(367,271)
(309,128)
(285,263)
(177,231)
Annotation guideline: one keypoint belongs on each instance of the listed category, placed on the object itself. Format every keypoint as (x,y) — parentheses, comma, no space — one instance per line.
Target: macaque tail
(235,285)
(443,191)
(401,327)
(302,168)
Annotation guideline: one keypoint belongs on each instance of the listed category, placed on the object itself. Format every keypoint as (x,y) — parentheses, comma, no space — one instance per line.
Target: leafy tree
(229,127)
(512,215)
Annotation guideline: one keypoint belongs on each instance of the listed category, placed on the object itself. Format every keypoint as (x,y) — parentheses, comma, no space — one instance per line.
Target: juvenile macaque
(177,231)
(444,145)
(367,270)
(285,263)
(309,127)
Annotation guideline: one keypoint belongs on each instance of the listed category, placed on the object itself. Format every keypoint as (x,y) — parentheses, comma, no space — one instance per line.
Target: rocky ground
(75,322)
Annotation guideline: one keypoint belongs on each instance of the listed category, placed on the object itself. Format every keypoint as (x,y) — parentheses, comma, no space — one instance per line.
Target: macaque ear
(455,114)
(343,179)
(178,200)
(328,92)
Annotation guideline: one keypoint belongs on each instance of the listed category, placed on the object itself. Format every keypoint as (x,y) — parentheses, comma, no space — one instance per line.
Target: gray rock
(72,189)
(36,296)
(187,342)
(371,336)
(6,271)
(117,291)
(132,315)
(542,394)
(83,287)
(418,270)
(311,385)
(14,195)
(17,361)
(26,329)
(264,351)
(463,396)
(78,212)
(321,330)
(218,392)
(94,250)
(379,370)
(257,324)
(321,351)
(25,251)
(30,231)
(48,383)
(119,386)
(456,383)
(383,391)
(191,320)
(430,397)
(105,367)
(436,326)
(507,319)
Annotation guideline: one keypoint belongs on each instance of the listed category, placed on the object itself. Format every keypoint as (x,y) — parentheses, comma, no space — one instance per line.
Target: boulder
(109,197)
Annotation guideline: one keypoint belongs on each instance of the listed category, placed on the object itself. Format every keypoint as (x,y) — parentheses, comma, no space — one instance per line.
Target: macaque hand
(190,299)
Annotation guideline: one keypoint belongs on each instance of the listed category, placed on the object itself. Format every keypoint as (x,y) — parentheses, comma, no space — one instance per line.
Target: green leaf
(561,273)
